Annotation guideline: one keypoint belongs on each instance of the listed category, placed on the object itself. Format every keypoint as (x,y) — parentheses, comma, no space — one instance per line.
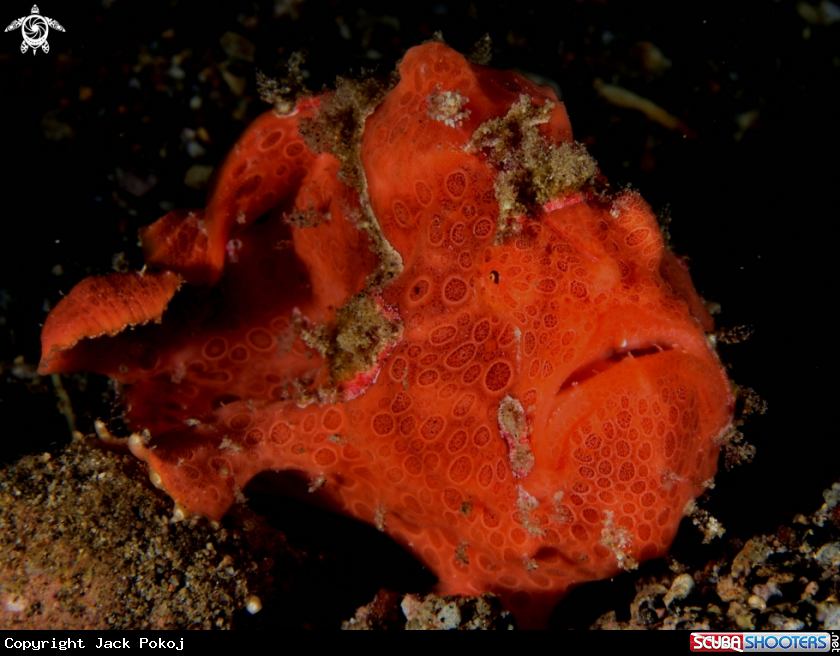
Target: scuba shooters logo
(34,29)
(763,641)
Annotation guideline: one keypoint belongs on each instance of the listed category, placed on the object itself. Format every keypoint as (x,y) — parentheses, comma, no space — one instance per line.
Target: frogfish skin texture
(430,306)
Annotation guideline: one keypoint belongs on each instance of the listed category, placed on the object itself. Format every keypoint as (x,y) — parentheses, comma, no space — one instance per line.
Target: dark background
(752,196)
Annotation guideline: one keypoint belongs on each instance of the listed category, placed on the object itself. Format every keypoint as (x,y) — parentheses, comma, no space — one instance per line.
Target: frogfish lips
(619,418)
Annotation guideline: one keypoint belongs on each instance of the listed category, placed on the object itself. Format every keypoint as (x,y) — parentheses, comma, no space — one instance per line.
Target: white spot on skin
(526,503)
(179,373)
(233,247)
(379,518)
(316,484)
(447,107)
(513,425)
(230,445)
(561,514)
(619,541)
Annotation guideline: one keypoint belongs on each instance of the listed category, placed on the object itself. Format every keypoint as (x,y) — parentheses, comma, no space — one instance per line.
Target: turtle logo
(34,29)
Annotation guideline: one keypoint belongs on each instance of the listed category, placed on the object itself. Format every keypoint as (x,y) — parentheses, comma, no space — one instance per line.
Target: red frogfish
(426,301)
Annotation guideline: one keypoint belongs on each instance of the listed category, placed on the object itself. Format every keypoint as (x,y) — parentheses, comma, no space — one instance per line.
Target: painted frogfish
(423,300)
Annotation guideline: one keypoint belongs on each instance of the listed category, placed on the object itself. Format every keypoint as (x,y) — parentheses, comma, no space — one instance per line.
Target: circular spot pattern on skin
(443,334)
(240,421)
(427,377)
(460,469)
(271,140)
(456,184)
(294,149)
(332,420)
(399,368)
(481,436)
(461,356)
(637,237)
(422,192)
(254,437)
(455,290)
(248,187)
(481,331)
(401,403)
(458,233)
(215,348)
(471,374)
(457,441)
(280,433)
(383,424)
(325,457)
(432,427)
(419,290)
(239,354)
(401,214)
(498,376)
(482,228)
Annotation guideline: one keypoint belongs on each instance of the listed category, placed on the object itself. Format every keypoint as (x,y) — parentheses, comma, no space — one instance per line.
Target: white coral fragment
(447,107)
